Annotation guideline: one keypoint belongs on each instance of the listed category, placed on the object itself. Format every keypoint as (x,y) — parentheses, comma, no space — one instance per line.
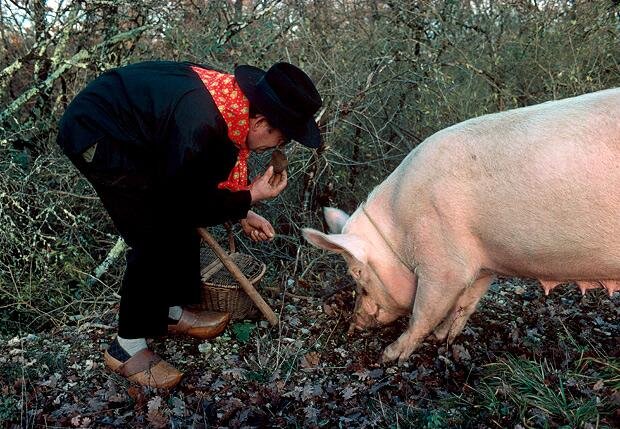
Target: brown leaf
(460,353)
(136,394)
(157,419)
(310,360)
(330,309)
(155,416)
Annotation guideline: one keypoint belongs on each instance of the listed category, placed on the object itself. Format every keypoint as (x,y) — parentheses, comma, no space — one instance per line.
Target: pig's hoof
(388,355)
(397,350)
(441,332)
(440,335)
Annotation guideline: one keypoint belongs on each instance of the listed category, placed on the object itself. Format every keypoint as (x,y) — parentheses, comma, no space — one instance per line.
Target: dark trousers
(163,263)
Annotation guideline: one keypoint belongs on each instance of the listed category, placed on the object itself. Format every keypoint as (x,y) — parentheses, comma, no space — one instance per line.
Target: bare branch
(78,58)
(237,26)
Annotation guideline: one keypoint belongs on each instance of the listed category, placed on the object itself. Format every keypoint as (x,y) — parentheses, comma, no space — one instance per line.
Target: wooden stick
(241,278)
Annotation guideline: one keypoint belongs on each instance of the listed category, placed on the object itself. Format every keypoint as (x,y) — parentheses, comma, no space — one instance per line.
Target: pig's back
(538,188)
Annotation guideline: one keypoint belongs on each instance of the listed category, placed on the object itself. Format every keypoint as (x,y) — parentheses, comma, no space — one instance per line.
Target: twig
(113,255)
(82,55)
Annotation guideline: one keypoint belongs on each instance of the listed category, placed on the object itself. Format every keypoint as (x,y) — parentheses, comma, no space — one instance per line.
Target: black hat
(286,96)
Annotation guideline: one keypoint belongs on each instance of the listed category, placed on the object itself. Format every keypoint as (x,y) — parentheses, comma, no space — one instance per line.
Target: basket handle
(240,277)
(231,237)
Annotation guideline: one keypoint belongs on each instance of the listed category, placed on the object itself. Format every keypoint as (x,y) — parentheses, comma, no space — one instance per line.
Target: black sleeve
(197,156)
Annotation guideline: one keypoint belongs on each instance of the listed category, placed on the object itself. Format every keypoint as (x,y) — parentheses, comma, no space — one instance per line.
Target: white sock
(175,312)
(132,345)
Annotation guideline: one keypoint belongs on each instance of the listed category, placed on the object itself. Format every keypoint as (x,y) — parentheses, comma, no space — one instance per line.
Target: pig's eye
(363,291)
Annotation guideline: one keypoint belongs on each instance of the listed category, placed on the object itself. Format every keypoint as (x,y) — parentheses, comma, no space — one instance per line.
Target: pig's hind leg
(433,301)
(466,304)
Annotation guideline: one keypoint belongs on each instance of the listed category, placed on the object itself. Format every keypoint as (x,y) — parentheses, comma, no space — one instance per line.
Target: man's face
(263,136)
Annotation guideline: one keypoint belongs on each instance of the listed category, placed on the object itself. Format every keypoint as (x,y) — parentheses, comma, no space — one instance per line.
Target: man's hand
(257,227)
(262,189)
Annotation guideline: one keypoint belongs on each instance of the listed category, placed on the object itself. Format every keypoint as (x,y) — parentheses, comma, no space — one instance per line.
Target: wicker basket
(220,290)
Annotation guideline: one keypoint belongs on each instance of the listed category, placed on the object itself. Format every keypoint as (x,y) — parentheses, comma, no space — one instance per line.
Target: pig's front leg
(464,307)
(433,301)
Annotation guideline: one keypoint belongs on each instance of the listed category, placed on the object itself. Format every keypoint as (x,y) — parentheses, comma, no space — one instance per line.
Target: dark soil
(309,373)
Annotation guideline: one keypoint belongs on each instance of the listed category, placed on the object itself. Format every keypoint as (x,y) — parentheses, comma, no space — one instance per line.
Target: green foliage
(543,395)
(243,330)
(430,415)
(50,358)
(434,419)
(514,390)
(608,371)
(260,376)
(9,408)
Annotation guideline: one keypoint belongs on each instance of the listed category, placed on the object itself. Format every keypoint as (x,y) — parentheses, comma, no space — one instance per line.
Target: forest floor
(523,360)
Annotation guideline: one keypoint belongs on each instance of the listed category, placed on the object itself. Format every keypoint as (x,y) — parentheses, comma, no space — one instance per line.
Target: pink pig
(531,192)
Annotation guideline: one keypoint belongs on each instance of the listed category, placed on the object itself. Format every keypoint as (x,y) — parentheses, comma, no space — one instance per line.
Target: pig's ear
(338,243)
(335,219)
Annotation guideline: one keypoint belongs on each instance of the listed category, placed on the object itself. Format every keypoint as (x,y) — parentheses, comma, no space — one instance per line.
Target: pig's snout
(362,319)
(368,314)
(371,313)
(360,324)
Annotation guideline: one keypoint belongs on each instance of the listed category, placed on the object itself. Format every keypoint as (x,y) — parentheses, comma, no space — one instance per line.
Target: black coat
(158,132)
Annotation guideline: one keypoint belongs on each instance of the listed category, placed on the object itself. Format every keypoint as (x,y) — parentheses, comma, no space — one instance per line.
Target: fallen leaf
(312,414)
(154,404)
(311,391)
(178,406)
(235,373)
(363,374)
(155,416)
(376,373)
(310,360)
(460,354)
(348,393)
(134,393)
(330,309)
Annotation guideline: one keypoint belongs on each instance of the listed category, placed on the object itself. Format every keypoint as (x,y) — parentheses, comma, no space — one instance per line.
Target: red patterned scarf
(235,109)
